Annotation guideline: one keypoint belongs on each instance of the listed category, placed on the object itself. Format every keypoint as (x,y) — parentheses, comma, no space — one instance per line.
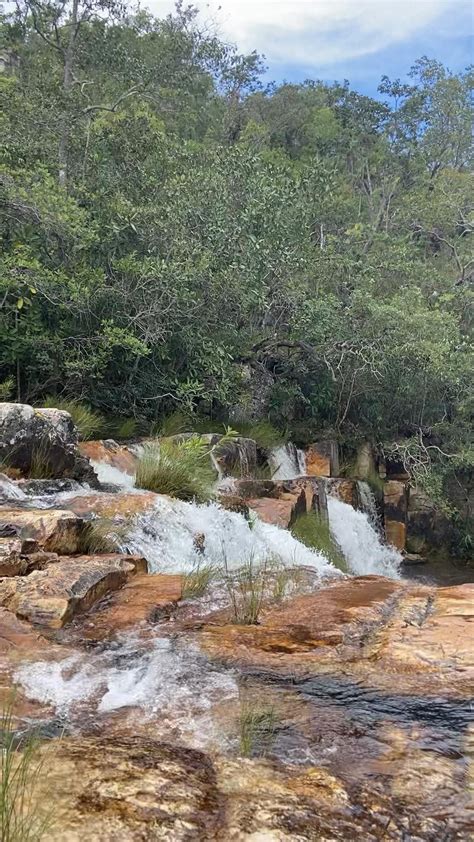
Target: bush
(88,422)
(180,469)
(313,530)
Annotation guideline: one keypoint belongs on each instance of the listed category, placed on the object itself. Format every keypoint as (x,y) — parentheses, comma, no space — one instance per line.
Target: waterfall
(110,475)
(361,545)
(165,536)
(286,462)
(367,502)
(9,490)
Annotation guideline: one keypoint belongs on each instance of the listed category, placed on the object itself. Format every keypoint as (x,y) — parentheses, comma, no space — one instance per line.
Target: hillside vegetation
(177,235)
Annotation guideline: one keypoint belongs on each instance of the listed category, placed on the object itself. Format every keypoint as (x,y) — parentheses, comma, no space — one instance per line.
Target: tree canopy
(170,224)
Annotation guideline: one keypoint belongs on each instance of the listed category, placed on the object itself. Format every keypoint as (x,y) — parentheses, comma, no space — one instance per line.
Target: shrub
(6,389)
(88,422)
(180,469)
(22,818)
(313,530)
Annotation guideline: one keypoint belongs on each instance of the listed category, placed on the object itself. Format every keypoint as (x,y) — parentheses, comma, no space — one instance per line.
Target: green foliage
(88,422)
(263,433)
(6,389)
(247,586)
(41,464)
(171,233)
(180,469)
(313,530)
(23,818)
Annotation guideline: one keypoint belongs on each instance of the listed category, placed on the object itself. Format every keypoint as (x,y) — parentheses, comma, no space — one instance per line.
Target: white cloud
(320,33)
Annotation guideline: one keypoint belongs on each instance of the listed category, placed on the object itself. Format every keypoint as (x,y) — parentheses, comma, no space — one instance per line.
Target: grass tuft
(103,535)
(88,422)
(263,433)
(197,582)
(22,817)
(313,531)
(247,588)
(257,726)
(180,469)
(41,466)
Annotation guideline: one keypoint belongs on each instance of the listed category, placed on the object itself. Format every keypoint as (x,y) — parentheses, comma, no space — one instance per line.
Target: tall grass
(180,469)
(22,817)
(41,466)
(198,580)
(257,725)
(263,433)
(88,421)
(313,531)
(246,587)
(103,535)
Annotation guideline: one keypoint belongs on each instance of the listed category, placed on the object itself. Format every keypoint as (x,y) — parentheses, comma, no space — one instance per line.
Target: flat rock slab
(124,504)
(378,631)
(54,530)
(52,596)
(145,599)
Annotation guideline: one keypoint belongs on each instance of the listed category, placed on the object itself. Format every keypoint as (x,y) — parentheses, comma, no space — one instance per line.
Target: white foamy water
(110,475)
(171,681)
(165,536)
(361,545)
(9,490)
(287,462)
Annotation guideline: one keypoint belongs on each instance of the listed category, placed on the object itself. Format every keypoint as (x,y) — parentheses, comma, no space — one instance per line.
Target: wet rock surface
(51,597)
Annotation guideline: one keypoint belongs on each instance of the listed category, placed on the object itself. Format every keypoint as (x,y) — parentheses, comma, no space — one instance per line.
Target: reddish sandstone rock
(395,513)
(379,631)
(345,490)
(11,563)
(143,600)
(322,459)
(109,505)
(52,596)
(53,530)
(108,451)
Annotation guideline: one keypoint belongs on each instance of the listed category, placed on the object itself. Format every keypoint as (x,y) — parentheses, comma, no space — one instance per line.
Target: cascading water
(287,462)
(165,536)
(358,539)
(367,501)
(169,680)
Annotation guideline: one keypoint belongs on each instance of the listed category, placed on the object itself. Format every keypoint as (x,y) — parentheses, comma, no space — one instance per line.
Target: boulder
(322,459)
(52,596)
(124,504)
(144,599)
(45,437)
(345,490)
(52,530)
(109,451)
(281,501)
(11,562)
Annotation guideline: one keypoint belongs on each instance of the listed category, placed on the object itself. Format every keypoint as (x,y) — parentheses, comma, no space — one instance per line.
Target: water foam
(287,462)
(169,680)
(165,536)
(361,545)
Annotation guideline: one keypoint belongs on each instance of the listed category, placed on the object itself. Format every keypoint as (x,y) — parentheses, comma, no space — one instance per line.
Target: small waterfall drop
(165,536)
(358,539)
(110,475)
(367,502)
(9,490)
(286,462)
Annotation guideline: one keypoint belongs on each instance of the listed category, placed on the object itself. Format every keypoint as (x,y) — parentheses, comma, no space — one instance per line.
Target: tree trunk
(67,84)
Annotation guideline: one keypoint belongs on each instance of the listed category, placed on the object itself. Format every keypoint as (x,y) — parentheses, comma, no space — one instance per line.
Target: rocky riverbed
(345,712)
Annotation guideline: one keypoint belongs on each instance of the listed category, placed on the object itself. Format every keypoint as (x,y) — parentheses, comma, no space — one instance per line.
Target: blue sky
(357,40)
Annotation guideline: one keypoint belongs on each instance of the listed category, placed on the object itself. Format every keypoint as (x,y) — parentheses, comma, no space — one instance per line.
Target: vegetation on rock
(180,469)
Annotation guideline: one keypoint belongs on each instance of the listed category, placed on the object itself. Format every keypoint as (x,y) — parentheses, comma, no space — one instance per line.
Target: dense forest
(179,235)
